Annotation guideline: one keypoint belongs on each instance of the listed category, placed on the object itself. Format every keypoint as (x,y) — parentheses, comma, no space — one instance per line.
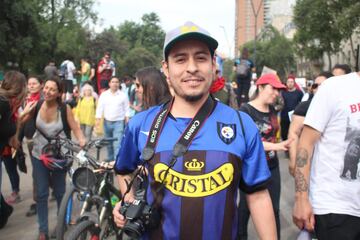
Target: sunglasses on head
(315,85)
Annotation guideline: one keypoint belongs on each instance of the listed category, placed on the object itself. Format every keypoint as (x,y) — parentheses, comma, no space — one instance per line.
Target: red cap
(271,79)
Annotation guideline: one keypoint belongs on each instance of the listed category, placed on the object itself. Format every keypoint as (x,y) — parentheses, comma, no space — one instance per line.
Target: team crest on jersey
(226,132)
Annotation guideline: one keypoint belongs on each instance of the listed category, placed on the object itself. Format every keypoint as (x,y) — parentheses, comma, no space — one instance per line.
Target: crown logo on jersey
(194,165)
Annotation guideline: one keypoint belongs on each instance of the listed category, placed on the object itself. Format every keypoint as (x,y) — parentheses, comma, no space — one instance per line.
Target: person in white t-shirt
(113,105)
(327,177)
(69,77)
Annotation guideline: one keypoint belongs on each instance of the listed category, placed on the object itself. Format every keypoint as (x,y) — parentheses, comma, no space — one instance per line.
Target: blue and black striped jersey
(199,200)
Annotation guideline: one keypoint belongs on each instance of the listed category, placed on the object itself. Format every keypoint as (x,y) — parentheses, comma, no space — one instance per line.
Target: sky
(218,17)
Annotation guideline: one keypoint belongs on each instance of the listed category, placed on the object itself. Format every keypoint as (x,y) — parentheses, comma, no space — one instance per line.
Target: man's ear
(165,68)
(214,66)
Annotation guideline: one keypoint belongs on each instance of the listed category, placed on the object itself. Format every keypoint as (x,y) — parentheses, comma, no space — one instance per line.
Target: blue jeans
(10,165)
(114,129)
(42,176)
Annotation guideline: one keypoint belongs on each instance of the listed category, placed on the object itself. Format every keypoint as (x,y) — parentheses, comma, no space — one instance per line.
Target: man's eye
(201,57)
(179,60)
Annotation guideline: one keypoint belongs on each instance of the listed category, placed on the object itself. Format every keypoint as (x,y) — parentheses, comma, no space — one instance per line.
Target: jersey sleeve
(255,172)
(128,156)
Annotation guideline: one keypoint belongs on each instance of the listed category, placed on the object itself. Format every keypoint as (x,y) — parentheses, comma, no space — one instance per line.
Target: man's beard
(193,98)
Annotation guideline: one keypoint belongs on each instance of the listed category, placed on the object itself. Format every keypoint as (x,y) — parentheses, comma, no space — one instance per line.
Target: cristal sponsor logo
(192,129)
(195,186)
(154,132)
(194,165)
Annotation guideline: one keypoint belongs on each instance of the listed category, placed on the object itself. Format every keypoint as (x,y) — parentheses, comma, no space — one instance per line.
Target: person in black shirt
(243,68)
(292,97)
(264,115)
(12,95)
(297,121)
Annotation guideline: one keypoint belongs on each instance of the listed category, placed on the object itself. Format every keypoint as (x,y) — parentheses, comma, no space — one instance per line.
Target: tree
(19,31)
(322,25)
(273,50)
(148,34)
(34,31)
(137,58)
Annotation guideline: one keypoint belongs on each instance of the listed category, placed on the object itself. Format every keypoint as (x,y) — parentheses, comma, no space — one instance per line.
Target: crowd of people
(202,143)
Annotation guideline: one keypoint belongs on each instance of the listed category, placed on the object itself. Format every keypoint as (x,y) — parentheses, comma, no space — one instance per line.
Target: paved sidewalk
(20,227)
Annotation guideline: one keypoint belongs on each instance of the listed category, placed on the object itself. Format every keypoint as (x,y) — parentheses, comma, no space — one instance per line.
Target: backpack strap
(242,126)
(63,112)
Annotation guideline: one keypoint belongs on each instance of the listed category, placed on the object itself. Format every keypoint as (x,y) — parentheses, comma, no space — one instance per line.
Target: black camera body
(140,217)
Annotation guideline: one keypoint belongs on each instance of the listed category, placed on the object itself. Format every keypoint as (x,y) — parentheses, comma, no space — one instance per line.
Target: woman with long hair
(260,109)
(152,85)
(52,118)
(12,95)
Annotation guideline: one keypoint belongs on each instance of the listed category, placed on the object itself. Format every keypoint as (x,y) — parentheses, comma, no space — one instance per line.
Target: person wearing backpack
(243,68)
(66,74)
(52,118)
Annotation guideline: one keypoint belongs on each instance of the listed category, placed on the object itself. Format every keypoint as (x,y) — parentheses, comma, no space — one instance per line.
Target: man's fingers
(311,223)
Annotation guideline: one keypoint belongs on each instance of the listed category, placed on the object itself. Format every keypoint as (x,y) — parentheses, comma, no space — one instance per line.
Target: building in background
(245,20)
(275,12)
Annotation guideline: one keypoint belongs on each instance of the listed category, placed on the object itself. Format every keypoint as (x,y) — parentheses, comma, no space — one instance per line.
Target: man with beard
(196,152)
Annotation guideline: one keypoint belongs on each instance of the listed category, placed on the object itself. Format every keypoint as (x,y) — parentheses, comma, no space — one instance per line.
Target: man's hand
(303,215)
(118,217)
(14,142)
(284,145)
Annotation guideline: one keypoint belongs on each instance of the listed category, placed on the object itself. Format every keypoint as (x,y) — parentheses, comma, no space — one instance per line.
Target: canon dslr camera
(140,217)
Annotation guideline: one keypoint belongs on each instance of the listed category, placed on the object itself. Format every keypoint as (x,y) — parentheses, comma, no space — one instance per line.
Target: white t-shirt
(70,70)
(335,173)
(113,106)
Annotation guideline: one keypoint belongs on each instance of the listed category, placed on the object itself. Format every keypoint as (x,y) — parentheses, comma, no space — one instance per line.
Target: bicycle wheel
(69,211)
(86,229)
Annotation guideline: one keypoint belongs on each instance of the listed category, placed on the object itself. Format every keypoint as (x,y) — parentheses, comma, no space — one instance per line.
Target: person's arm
(99,110)
(28,112)
(75,127)
(127,108)
(262,214)
(296,126)
(92,73)
(119,219)
(284,145)
(102,66)
(303,215)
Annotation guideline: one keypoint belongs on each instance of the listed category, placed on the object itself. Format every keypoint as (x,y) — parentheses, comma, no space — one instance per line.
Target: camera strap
(187,136)
(181,145)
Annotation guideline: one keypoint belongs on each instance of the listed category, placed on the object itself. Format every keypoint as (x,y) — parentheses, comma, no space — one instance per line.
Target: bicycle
(73,198)
(98,224)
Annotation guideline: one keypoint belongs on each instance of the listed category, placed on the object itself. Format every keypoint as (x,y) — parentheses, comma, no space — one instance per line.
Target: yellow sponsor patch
(195,186)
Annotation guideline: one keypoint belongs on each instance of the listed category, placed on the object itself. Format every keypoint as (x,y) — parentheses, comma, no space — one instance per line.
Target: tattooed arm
(303,215)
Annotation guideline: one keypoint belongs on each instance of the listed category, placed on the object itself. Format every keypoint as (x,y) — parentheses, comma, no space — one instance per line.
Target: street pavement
(20,227)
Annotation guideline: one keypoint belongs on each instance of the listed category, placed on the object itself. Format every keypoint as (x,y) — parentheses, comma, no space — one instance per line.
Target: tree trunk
(329,58)
(53,31)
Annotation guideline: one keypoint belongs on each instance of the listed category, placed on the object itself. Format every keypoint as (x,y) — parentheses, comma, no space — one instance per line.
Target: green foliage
(273,50)
(228,69)
(148,34)
(136,58)
(322,25)
(34,31)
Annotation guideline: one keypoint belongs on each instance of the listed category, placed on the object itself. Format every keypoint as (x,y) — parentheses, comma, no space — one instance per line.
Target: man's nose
(192,66)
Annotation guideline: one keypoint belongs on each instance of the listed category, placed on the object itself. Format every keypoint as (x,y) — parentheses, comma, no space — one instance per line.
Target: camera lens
(133,229)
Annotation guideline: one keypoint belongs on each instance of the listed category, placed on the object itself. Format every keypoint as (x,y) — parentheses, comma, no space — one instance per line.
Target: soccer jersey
(199,199)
